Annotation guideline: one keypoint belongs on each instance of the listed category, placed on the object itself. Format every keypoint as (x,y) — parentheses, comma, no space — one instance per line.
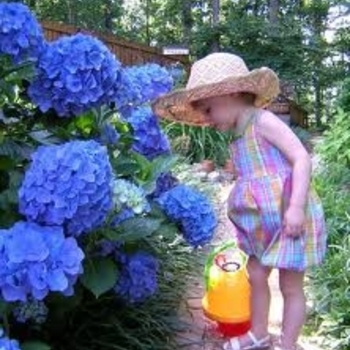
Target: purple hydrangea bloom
(75,74)
(31,311)
(138,277)
(21,36)
(165,182)
(7,343)
(142,84)
(69,185)
(192,211)
(149,140)
(36,260)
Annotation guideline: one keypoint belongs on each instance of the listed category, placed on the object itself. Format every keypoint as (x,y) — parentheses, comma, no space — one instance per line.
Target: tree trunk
(147,13)
(108,15)
(71,15)
(187,21)
(318,101)
(273,12)
(216,20)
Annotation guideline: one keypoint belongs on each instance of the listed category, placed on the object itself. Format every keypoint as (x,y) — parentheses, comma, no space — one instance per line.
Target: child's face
(220,111)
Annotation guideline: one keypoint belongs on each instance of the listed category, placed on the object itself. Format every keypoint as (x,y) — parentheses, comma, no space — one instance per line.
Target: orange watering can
(227,298)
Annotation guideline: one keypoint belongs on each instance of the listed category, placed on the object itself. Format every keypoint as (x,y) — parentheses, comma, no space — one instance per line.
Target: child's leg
(260,301)
(260,297)
(292,288)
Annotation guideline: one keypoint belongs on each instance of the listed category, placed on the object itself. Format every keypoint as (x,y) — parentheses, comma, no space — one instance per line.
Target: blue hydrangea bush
(88,204)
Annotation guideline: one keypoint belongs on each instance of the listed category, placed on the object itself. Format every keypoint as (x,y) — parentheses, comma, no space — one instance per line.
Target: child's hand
(293,221)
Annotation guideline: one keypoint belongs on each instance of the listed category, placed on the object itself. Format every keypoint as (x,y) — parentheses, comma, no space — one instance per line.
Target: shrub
(91,254)
(330,282)
(344,96)
(198,143)
(335,147)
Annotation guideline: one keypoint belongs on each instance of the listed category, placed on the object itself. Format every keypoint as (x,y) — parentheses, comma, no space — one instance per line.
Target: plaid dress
(258,201)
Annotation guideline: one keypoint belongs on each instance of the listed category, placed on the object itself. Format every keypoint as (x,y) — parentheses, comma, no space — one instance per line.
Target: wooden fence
(127,52)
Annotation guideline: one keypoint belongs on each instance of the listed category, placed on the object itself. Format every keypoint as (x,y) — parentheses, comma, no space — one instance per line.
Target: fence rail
(128,53)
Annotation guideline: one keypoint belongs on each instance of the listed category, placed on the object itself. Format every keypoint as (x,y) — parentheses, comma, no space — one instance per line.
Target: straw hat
(218,74)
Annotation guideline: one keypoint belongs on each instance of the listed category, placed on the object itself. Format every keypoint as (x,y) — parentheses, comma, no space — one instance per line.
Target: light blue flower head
(69,185)
(74,75)
(138,278)
(192,211)
(21,36)
(36,260)
(128,195)
(149,139)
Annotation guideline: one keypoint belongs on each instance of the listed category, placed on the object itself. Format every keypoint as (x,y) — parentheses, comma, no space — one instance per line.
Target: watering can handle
(212,256)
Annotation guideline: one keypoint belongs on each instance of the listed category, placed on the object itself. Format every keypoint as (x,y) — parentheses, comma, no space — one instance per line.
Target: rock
(202,175)
(214,176)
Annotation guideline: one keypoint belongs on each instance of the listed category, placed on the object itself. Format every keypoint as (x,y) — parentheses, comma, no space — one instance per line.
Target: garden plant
(96,234)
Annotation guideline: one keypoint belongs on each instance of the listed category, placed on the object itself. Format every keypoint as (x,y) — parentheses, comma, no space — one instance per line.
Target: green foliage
(35,346)
(330,282)
(100,275)
(198,143)
(335,147)
(344,98)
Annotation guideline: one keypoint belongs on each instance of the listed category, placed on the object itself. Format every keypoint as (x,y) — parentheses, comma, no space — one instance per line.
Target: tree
(215,45)
(187,20)
(273,12)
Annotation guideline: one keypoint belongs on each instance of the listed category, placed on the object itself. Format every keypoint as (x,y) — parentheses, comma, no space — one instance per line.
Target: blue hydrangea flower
(192,211)
(36,260)
(109,136)
(21,36)
(7,343)
(177,73)
(149,140)
(165,182)
(31,311)
(74,75)
(68,185)
(127,195)
(142,84)
(138,277)
(126,214)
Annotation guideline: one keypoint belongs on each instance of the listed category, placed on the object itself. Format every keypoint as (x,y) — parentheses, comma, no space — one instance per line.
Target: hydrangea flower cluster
(149,140)
(36,260)
(138,277)
(165,182)
(74,75)
(192,211)
(127,195)
(109,136)
(32,311)
(147,82)
(21,36)
(6,343)
(68,185)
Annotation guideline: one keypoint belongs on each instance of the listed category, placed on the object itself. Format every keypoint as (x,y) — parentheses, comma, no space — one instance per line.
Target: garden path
(200,334)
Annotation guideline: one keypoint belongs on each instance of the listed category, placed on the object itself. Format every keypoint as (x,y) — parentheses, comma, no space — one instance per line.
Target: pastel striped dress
(258,201)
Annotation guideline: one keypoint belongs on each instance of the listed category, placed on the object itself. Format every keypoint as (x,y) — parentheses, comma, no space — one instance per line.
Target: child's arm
(280,135)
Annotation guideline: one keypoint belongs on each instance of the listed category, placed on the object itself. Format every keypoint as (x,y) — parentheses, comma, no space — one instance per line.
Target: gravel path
(200,333)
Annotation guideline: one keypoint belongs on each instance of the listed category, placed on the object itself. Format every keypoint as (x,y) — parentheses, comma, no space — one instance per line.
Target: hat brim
(178,105)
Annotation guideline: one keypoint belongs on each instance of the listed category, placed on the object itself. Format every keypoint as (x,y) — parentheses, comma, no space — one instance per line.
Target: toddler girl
(278,217)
